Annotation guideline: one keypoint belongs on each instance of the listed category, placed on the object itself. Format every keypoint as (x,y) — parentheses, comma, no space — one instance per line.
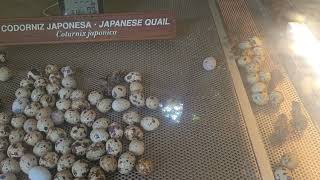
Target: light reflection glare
(172,109)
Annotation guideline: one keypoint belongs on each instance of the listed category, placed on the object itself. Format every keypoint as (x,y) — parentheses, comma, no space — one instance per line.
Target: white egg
(136,147)
(5,74)
(126,163)
(39,173)
(120,105)
(209,63)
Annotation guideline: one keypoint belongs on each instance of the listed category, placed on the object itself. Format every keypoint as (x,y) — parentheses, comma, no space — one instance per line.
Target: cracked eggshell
(87,117)
(115,130)
(42,147)
(10,165)
(119,91)
(80,168)
(63,145)
(120,105)
(258,88)
(65,93)
(99,135)
(40,83)
(133,132)
(69,82)
(94,97)
(104,105)
(16,150)
(16,136)
(108,163)
(152,102)
(4,144)
(18,120)
(137,99)
(30,125)
(5,118)
(101,123)
(49,160)
(48,101)
(27,162)
(149,123)
(22,93)
(56,133)
(77,94)
(260,98)
(44,125)
(80,147)
(96,173)
(53,89)
(126,163)
(113,147)
(95,151)
(144,167)
(282,173)
(32,109)
(79,131)
(5,130)
(133,76)
(5,74)
(26,83)
(32,138)
(63,104)
(65,162)
(72,116)
(39,173)
(44,113)
(19,105)
(51,68)
(131,117)
(63,175)
(136,86)
(57,117)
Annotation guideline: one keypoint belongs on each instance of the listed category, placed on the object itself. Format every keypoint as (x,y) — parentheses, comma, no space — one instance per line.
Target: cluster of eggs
(33,138)
(251,58)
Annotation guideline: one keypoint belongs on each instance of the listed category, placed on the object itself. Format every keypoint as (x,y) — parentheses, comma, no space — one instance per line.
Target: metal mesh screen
(240,25)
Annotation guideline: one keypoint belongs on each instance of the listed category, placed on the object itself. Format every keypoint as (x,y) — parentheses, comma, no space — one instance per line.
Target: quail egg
(136,147)
(56,133)
(80,104)
(133,132)
(255,41)
(260,99)
(94,97)
(77,94)
(79,131)
(18,120)
(44,113)
(22,93)
(5,130)
(57,117)
(244,45)
(53,89)
(48,101)
(113,147)
(67,71)
(259,59)
(104,105)
(32,109)
(63,175)
(26,83)
(39,173)
(69,82)
(96,173)
(133,76)
(243,61)
(8,176)
(209,63)
(137,99)
(44,125)
(63,145)
(65,162)
(119,91)
(152,102)
(144,167)
(42,147)
(5,118)
(252,78)
(30,125)
(115,131)
(80,147)
(34,74)
(101,123)
(99,135)
(252,67)
(149,123)
(108,163)
(16,136)
(19,105)
(289,160)
(126,163)
(63,104)
(32,138)
(120,105)
(80,168)
(95,151)
(51,68)
(65,93)
(131,117)
(27,162)
(258,88)
(49,160)
(282,173)
(87,117)
(276,97)
(4,144)
(40,83)
(55,78)
(72,116)
(3,155)
(136,86)
(10,165)
(264,77)
(5,74)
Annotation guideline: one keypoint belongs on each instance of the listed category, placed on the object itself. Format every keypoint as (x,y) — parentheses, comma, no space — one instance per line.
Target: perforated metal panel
(240,25)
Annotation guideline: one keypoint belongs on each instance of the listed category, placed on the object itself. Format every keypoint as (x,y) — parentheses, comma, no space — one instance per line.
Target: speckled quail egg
(72,116)
(4,144)
(149,123)
(39,173)
(57,117)
(18,120)
(42,147)
(5,74)
(276,97)
(44,113)
(244,60)
(16,150)
(63,104)
(133,132)
(51,68)
(137,99)
(113,147)
(258,87)
(95,151)
(252,67)
(79,131)
(77,94)
(32,138)
(136,147)
(48,101)
(22,93)
(152,102)
(49,160)
(30,125)
(133,76)
(65,162)
(26,83)
(104,105)
(260,98)
(69,82)
(136,86)
(80,147)
(119,91)
(255,41)
(16,135)
(34,74)
(56,133)
(244,45)
(5,118)
(209,63)
(99,135)
(131,117)
(32,109)
(65,93)
(53,89)
(55,78)
(96,173)
(289,160)
(10,165)
(44,125)
(63,145)
(264,77)
(80,105)
(144,167)
(5,130)
(87,117)
(40,83)
(126,163)
(63,175)
(80,168)
(108,163)
(252,78)
(94,97)
(115,130)
(282,173)
(27,162)
(101,123)
(120,105)
(67,71)
(8,176)
(19,105)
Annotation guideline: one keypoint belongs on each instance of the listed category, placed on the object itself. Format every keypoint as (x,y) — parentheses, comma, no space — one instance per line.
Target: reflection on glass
(172,109)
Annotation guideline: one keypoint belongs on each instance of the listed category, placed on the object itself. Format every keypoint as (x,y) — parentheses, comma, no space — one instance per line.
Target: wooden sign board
(91,28)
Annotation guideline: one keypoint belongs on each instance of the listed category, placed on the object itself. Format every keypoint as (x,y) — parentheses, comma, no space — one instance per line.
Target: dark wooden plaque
(89,28)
